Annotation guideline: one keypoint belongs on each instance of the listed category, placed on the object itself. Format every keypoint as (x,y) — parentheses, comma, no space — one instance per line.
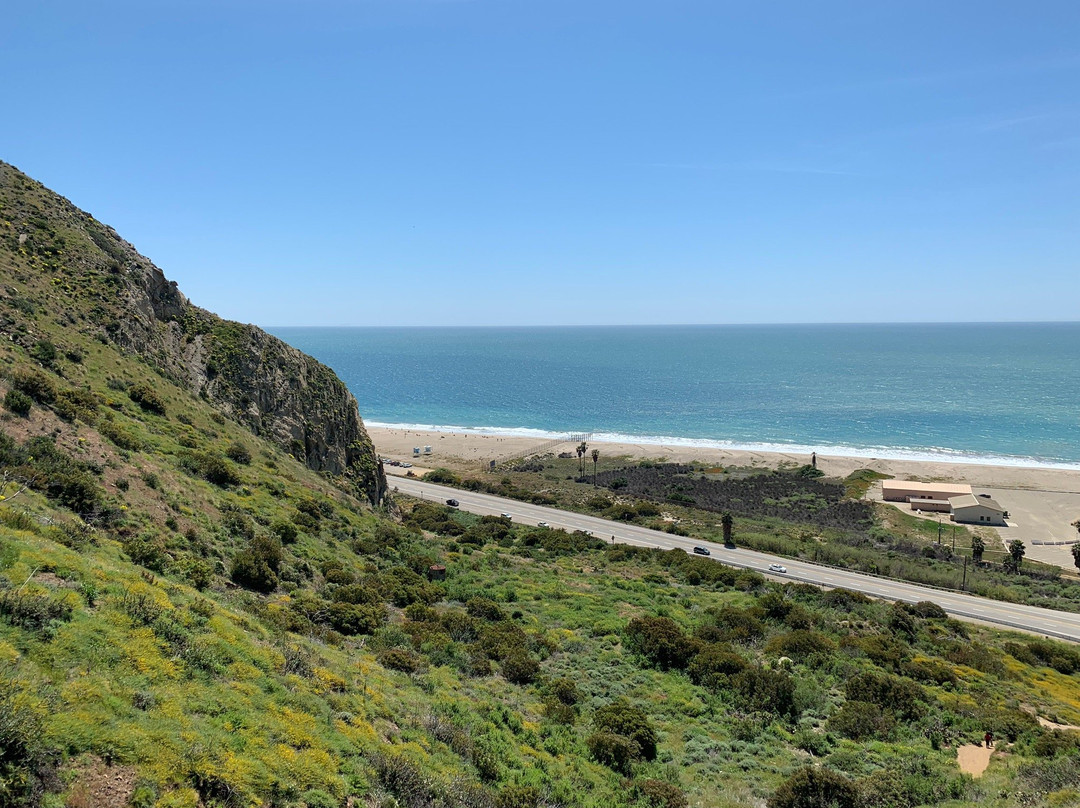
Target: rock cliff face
(92,279)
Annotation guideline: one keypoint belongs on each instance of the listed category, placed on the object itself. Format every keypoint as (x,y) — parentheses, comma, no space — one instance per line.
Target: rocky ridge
(58,258)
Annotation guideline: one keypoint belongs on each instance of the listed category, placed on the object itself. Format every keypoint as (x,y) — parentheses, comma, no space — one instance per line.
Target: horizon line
(685,325)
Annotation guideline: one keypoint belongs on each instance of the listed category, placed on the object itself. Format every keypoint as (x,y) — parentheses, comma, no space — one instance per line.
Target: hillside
(206,599)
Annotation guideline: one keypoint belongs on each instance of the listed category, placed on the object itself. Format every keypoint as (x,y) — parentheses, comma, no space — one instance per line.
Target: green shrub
(34,384)
(800,644)
(238,453)
(147,397)
(44,352)
(18,402)
(284,530)
(76,403)
(899,696)
(485,609)
(659,794)
(148,551)
(759,689)
(518,797)
(120,436)
(814,787)
(520,668)
(196,571)
(661,642)
(238,524)
(400,659)
(351,619)
(861,720)
(441,475)
(614,751)
(211,467)
(257,566)
(565,690)
(32,611)
(714,666)
(622,718)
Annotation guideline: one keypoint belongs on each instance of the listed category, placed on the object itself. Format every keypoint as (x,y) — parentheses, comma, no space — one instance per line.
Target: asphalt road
(1062,625)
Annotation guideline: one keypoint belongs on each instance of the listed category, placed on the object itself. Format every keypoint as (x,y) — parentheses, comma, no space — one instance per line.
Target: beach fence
(543,448)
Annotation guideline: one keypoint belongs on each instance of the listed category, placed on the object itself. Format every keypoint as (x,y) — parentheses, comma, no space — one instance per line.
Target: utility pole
(939,529)
(963,586)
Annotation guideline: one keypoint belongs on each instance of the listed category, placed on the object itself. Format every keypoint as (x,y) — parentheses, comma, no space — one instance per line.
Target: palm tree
(977,548)
(726,521)
(1016,555)
(581,459)
(595,458)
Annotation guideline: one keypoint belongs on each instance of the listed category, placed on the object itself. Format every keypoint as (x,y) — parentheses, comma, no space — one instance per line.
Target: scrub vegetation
(191,616)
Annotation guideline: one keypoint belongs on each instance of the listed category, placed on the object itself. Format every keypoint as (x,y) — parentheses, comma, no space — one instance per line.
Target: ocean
(985,393)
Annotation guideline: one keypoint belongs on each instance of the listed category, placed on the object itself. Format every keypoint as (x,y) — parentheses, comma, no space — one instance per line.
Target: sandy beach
(1042,501)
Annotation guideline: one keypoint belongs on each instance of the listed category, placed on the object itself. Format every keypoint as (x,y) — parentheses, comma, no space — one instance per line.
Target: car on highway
(542,524)
(505,515)
(453,503)
(777,568)
(702,551)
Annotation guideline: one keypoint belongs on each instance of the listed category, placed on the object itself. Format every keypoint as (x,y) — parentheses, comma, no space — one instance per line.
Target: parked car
(702,551)
(777,568)
(453,503)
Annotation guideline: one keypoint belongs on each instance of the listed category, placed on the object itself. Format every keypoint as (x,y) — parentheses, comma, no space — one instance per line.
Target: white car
(542,524)
(777,568)
(506,516)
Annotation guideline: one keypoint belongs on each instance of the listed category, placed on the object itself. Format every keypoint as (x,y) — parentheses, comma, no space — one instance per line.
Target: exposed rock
(272,388)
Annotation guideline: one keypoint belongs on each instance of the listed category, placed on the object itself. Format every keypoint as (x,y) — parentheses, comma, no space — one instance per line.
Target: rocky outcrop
(277,391)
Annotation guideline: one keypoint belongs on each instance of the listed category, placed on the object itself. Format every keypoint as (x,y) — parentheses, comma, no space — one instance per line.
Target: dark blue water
(973,392)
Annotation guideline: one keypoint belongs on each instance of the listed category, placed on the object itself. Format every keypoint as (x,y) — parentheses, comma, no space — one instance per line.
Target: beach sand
(1045,502)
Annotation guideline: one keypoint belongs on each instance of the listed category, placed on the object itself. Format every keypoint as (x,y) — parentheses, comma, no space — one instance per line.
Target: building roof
(970,501)
(911,485)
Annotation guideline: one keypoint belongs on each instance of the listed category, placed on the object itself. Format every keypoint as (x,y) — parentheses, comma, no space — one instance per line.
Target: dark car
(453,503)
(702,551)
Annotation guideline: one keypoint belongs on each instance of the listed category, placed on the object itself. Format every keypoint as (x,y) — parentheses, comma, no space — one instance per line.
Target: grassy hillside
(191,616)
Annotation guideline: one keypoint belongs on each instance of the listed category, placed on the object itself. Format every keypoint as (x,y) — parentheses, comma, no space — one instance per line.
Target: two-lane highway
(1062,625)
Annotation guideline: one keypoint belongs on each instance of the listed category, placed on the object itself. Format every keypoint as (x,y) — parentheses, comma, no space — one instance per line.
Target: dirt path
(973,759)
(1045,722)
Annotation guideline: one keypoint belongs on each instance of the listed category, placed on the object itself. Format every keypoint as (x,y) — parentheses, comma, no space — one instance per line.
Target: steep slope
(60,261)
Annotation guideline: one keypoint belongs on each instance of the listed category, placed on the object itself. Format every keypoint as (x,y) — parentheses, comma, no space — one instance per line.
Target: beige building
(921,495)
(972,510)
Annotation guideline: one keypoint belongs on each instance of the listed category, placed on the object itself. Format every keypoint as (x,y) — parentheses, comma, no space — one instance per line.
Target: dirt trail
(973,759)
(1045,722)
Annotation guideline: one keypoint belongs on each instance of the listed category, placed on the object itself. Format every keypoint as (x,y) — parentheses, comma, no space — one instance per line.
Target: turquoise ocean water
(983,393)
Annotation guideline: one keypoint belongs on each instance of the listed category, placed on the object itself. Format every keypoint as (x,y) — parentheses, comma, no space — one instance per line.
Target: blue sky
(370,162)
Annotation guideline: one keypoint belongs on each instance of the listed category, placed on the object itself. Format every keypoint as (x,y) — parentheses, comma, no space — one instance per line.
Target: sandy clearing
(973,759)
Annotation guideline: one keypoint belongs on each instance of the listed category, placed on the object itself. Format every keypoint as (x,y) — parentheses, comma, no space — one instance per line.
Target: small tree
(978,546)
(1016,555)
(1076,555)
(726,521)
(595,458)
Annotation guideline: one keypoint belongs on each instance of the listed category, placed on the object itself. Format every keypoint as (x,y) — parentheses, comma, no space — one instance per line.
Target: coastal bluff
(59,261)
